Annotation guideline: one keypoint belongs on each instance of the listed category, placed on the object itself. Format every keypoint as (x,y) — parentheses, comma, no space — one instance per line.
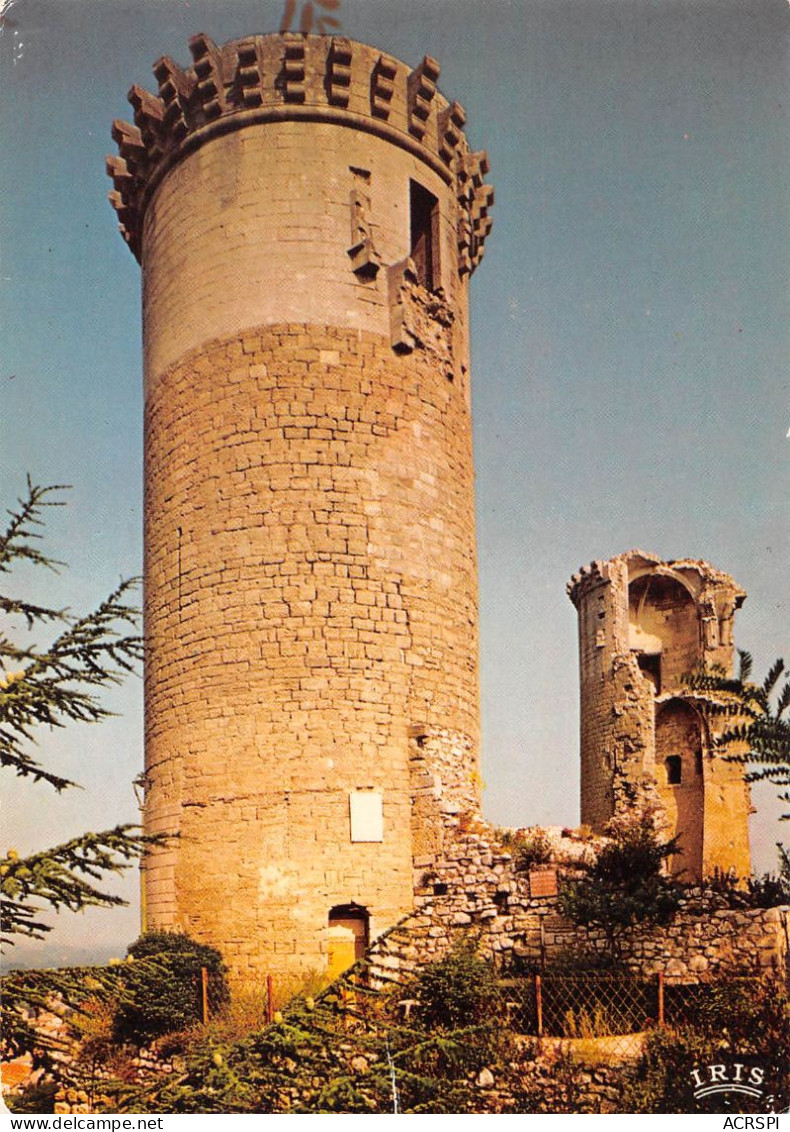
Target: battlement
(698,576)
(296,77)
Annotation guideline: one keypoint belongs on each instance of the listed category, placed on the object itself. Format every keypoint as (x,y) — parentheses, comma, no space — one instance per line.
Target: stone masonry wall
(444,784)
(310,599)
(307,213)
(644,625)
(474,891)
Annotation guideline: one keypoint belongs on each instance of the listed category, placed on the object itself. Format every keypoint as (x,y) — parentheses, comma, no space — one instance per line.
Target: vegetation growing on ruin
(530,847)
(766,891)
(625,884)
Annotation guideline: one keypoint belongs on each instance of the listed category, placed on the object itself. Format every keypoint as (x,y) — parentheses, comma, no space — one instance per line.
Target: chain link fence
(613,1009)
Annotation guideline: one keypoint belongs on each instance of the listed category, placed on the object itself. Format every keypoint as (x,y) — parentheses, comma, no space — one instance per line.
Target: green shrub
(625,884)
(459,990)
(766,891)
(744,1021)
(162,986)
(531,848)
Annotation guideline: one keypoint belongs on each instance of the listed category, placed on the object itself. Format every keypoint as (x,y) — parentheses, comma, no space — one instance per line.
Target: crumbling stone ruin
(644,624)
(307,214)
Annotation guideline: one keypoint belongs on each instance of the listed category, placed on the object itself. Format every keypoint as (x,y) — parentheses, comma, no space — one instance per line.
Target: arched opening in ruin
(663,629)
(348,935)
(680,781)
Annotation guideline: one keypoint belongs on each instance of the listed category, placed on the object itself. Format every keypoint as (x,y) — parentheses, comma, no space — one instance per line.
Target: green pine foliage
(50,685)
(350,1051)
(56,683)
(53,667)
(56,878)
(66,992)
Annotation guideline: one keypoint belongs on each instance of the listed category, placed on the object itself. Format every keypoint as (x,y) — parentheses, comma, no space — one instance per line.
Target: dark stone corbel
(338,77)
(421,93)
(451,124)
(249,74)
(293,72)
(210,88)
(175,90)
(148,114)
(382,87)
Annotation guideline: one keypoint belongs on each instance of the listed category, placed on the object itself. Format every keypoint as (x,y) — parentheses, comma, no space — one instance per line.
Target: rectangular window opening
(424,214)
(650,666)
(674,765)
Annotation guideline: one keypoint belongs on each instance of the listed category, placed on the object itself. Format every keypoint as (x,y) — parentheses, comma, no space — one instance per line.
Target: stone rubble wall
(475,890)
(553,1082)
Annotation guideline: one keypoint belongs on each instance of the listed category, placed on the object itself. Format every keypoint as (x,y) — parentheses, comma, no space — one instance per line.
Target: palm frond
(774,672)
(745,665)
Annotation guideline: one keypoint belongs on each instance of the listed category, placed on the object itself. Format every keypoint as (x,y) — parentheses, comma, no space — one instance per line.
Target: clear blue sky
(630,337)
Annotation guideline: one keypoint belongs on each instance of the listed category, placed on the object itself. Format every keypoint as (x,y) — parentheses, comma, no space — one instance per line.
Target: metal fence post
(269,998)
(660,977)
(539,1005)
(204,993)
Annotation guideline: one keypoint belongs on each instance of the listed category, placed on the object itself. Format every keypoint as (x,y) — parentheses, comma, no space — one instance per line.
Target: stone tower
(643,625)
(307,214)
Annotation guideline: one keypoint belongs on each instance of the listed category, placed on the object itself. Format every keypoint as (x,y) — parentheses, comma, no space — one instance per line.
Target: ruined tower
(307,215)
(643,625)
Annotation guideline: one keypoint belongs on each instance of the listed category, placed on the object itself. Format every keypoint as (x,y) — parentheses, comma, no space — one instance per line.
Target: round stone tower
(643,625)
(307,214)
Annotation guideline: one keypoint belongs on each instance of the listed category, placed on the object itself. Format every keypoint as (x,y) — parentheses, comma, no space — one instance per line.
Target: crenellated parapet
(707,586)
(586,579)
(296,77)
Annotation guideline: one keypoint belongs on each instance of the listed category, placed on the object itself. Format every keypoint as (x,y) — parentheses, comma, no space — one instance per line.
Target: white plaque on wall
(367,817)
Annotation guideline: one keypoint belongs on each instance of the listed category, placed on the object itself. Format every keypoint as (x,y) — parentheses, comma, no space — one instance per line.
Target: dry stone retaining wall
(474,890)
